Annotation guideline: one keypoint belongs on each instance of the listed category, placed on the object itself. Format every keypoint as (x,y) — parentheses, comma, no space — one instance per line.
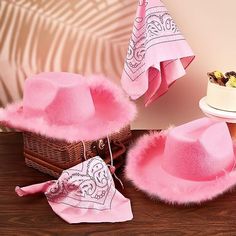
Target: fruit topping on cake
(218,77)
(228,79)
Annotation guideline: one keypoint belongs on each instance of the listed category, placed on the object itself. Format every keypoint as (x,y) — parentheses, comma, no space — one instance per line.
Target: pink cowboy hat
(70,107)
(187,164)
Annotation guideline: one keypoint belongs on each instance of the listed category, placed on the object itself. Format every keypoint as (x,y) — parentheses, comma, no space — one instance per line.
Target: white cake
(221,97)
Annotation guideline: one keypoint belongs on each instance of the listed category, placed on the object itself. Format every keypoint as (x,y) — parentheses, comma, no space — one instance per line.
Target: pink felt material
(191,163)
(54,97)
(158,54)
(84,193)
(70,107)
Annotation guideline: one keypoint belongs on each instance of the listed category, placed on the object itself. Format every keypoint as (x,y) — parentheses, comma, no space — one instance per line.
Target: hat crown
(200,150)
(61,98)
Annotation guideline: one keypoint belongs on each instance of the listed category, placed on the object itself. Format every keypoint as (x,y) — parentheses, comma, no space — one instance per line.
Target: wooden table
(33,216)
(232,129)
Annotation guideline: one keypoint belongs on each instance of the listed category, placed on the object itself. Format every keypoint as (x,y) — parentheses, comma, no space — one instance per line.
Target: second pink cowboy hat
(70,107)
(191,163)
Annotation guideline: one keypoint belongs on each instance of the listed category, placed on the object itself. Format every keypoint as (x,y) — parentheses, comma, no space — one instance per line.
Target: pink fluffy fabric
(113,111)
(144,169)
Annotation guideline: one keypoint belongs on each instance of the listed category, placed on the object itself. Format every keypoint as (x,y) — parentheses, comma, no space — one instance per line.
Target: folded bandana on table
(157,54)
(84,193)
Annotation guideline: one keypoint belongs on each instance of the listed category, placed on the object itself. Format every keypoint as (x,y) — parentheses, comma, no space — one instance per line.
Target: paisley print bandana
(84,193)
(158,53)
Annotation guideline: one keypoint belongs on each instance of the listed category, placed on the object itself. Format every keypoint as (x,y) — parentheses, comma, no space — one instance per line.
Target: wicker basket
(52,156)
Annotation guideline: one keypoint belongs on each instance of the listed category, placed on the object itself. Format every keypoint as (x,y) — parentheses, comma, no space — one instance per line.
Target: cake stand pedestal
(227,116)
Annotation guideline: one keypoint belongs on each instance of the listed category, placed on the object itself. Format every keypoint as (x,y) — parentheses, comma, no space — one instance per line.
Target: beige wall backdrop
(86,36)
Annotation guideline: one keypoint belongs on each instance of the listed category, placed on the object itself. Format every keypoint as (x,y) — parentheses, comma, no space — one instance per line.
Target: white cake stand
(227,116)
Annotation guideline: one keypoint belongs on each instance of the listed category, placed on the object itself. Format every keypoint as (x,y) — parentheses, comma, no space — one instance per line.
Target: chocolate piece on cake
(230,73)
(217,77)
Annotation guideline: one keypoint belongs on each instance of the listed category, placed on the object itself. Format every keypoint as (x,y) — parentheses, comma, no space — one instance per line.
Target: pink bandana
(158,53)
(84,193)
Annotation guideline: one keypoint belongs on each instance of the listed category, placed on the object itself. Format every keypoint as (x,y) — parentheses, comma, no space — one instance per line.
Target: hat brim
(113,111)
(144,169)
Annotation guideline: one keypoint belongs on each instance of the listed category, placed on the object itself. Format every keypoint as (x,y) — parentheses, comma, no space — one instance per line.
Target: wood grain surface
(32,215)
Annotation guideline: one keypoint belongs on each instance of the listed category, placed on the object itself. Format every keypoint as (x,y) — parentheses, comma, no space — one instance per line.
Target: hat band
(223,172)
(32,112)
